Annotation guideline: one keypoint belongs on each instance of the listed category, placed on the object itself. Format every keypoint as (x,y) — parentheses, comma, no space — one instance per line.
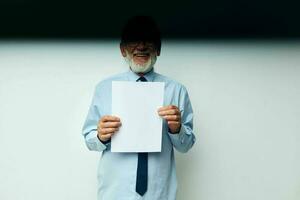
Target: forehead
(140,37)
(139,41)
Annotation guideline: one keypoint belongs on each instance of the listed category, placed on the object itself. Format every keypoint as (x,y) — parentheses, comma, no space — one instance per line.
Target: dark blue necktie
(142,166)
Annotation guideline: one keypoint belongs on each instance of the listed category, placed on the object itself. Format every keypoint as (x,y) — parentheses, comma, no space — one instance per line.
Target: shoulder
(107,81)
(170,82)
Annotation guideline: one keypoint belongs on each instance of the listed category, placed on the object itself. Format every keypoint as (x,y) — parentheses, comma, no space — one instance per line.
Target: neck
(141,73)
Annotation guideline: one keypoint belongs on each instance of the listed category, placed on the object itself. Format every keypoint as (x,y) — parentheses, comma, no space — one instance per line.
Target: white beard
(137,68)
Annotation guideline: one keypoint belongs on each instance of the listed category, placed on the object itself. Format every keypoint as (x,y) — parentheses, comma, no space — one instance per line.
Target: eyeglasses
(132,45)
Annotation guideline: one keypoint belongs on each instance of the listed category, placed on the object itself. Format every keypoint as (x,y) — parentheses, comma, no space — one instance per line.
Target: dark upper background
(186,19)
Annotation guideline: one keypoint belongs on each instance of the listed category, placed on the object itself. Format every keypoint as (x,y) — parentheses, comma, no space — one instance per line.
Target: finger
(167,107)
(105,137)
(107,118)
(110,124)
(105,131)
(173,122)
(169,112)
(172,117)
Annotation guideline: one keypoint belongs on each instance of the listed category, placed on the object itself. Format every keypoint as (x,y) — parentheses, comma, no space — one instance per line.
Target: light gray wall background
(245,97)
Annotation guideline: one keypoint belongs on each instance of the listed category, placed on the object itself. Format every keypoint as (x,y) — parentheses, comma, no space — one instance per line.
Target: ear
(158,53)
(123,52)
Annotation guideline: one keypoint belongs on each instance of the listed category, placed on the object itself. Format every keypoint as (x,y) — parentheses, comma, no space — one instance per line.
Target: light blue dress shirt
(117,171)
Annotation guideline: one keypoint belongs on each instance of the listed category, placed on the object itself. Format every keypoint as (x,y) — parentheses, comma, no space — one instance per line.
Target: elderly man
(148,176)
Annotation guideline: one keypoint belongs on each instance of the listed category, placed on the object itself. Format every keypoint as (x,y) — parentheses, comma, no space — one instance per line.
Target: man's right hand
(107,126)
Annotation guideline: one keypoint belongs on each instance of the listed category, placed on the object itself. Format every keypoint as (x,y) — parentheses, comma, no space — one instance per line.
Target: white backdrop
(245,97)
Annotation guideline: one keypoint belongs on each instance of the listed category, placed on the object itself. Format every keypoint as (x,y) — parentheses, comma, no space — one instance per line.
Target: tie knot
(142,79)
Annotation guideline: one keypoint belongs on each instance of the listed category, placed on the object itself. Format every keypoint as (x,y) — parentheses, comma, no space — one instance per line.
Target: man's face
(141,56)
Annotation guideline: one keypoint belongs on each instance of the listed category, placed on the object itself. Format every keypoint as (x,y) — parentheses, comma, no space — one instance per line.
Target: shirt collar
(149,75)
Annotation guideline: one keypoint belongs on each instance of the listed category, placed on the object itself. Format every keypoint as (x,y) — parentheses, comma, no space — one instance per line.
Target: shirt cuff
(178,137)
(94,143)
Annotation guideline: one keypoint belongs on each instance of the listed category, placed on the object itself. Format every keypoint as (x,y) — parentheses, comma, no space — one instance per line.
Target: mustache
(148,53)
(143,51)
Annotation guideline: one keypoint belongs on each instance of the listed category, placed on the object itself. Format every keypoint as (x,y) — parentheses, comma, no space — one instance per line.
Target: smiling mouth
(141,54)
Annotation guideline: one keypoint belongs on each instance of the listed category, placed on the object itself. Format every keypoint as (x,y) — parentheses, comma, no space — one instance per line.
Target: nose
(141,45)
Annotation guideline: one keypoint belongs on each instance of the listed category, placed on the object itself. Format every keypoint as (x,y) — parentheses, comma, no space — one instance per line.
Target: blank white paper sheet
(136,104)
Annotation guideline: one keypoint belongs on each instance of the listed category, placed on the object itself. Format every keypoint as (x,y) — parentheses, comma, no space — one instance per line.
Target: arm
(89,130)
(185,138)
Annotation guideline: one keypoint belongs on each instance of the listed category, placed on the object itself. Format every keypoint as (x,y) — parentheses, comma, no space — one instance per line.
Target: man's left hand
(173,116)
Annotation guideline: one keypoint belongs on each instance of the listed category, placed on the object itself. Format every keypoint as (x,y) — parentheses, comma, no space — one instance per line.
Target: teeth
(141,54)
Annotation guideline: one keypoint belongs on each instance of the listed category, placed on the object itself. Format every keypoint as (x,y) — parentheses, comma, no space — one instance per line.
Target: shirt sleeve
(185,139)
(89,130)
